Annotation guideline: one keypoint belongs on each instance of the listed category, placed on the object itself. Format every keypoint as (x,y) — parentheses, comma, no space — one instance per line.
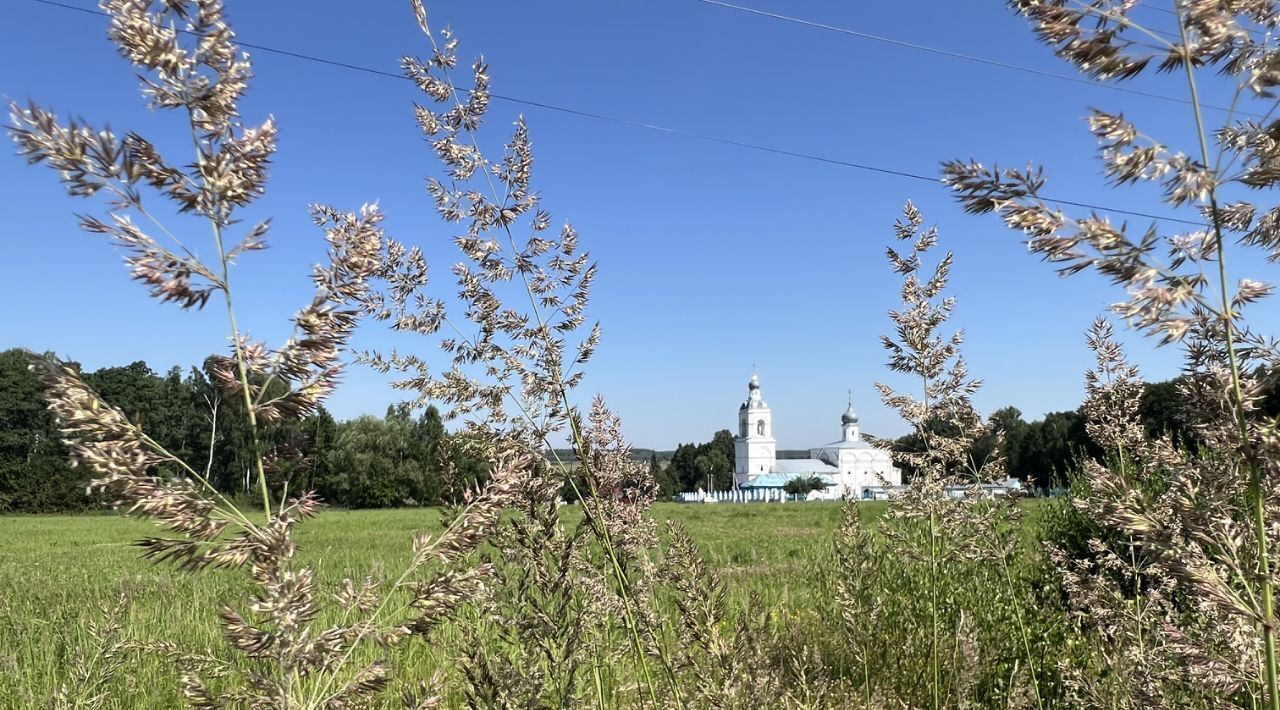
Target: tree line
(1046,453)
(404,460)
(368,462)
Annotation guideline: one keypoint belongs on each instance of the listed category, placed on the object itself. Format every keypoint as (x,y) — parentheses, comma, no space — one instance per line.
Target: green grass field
(57,571)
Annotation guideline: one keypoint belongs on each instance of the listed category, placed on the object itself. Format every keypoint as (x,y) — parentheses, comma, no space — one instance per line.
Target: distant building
(849,467)
(959,491)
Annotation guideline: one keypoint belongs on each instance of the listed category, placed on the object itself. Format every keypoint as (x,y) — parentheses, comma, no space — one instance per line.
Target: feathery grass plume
(951,543)
(205,78)
(859,594)
(555,607)
(725,664)
(558,622)
(1177,284)
(90,674)
(529,646)
(425,695)
(621,571)
(622,490)
(508,368)
(297,646)
(943,415)
(1164,592)
(539,612)
(515,354)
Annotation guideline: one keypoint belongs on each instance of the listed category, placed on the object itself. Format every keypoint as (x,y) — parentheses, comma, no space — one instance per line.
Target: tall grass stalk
(555,379)
(1256,501)
(242,368)
(289,659)
(1176,301)
(957,533)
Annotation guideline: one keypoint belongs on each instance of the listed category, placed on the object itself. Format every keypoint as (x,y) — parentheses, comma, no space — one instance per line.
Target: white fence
(1010,486)
(745,495)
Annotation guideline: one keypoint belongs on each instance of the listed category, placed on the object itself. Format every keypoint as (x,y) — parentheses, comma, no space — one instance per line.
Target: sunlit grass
(57,571)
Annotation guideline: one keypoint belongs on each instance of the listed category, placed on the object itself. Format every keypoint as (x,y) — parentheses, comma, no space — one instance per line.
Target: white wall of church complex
(851,467)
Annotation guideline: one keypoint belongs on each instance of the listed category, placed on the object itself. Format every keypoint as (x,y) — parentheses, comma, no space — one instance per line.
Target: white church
(852,468)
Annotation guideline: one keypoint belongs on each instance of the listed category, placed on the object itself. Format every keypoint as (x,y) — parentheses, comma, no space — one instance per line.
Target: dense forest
(369,462)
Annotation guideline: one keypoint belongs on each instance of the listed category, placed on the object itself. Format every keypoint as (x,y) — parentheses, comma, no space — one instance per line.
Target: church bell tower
(755,450)
(849,423)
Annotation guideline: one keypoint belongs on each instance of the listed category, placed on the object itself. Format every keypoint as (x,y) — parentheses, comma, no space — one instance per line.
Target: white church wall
(854,464)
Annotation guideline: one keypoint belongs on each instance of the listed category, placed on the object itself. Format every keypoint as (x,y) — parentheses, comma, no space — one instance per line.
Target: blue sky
(712,257)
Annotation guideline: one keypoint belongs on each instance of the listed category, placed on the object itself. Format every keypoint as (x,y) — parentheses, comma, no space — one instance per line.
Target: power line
(960,55)
(1259,33)
(651,126)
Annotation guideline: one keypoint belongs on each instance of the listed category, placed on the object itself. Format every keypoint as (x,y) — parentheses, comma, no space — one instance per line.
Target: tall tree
(713,466)
(1008,429)
(667,485)
(428,435)
(374,464)
(1163,413)
(682,469)
(139,393)
(35,476)
(1052,449)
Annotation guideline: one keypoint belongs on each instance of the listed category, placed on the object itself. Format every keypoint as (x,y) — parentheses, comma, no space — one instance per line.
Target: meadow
(59,573)
(1155,587)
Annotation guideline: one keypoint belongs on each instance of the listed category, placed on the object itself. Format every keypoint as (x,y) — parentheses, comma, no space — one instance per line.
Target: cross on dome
(849,416)
(755,399)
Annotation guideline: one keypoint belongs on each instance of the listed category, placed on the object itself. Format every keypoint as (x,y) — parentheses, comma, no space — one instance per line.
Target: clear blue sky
(684,230)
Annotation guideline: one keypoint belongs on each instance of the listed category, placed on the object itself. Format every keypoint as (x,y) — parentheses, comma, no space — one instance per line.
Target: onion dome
(849,416)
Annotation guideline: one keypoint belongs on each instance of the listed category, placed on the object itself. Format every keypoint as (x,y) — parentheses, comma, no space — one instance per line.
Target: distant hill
(568,455)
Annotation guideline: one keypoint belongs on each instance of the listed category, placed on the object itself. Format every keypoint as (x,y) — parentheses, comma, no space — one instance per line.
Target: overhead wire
(957,55)
(686,133)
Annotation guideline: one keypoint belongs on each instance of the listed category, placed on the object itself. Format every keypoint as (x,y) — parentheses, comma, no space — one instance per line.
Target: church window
(760,427)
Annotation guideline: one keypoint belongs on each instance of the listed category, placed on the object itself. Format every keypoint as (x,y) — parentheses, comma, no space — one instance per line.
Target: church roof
(799,466)
(778,480)
(856,444)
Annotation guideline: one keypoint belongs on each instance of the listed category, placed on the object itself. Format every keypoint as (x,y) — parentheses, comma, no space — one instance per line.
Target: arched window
(743,428)
(760,427)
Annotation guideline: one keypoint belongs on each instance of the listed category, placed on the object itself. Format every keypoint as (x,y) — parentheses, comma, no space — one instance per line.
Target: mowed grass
(58,572)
